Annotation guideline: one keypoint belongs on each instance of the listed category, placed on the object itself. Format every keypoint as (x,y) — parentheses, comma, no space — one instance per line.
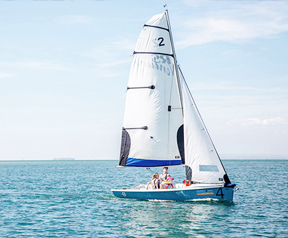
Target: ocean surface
(73,199)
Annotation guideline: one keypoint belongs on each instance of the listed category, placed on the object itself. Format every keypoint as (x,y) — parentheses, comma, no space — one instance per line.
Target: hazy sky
(64,68)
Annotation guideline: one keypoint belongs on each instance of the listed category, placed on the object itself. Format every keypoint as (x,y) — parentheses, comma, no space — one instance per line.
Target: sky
(64,68)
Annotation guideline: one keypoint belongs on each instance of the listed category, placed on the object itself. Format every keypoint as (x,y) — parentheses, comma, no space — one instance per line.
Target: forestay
(152,128)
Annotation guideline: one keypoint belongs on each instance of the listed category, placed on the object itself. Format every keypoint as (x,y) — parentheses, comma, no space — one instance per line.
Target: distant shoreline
(223,157)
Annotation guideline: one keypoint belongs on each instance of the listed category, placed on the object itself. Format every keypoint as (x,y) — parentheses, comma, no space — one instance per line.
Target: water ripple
(73,199)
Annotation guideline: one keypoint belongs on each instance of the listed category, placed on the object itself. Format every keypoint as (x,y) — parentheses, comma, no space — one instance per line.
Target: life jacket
(156,184)
(166,176)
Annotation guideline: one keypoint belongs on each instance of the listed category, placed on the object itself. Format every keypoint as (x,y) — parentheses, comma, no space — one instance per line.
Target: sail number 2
(161,39)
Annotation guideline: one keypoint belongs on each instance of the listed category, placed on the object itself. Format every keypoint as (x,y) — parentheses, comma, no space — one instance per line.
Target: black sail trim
(226,179)
(149,87)
(125,148)
(136,128)
(180,143)
(188,172)
(159,27)
(153,53)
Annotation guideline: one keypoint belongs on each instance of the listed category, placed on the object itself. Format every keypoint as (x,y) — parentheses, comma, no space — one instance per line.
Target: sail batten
(158,27)
(142,87)
(153,53)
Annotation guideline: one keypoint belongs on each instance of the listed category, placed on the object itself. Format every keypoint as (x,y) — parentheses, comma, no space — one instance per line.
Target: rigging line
(149,169)
(201,119)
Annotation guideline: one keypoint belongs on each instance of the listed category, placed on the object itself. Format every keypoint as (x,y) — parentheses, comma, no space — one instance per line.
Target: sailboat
(162,125)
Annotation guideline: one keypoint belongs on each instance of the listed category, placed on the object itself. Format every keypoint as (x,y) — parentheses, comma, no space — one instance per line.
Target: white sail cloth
(152,99)
(200,154)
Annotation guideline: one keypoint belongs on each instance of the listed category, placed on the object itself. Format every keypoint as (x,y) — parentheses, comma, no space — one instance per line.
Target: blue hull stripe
(151,163)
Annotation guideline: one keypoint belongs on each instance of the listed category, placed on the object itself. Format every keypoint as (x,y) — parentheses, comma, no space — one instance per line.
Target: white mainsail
(153,113)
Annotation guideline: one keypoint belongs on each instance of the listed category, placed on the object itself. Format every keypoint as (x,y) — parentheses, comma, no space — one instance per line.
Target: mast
(175,60)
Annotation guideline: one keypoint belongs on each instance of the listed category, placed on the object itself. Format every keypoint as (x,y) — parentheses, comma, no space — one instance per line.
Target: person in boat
(164,176)
(155,182)
(169,183)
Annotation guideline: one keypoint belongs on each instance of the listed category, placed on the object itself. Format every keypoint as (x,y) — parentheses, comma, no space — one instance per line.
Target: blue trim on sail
(133,162)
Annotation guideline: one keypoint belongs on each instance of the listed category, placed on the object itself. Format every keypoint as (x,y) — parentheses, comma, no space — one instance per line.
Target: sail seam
(154,53)
(159,27)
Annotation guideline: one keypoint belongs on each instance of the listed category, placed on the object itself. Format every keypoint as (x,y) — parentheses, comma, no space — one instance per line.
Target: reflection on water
(259,209)
(172,218)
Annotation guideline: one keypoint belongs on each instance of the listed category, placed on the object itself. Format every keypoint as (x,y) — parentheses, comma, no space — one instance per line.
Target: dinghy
(162,125)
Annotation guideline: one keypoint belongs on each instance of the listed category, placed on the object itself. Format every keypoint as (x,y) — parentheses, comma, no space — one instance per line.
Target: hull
(193,192)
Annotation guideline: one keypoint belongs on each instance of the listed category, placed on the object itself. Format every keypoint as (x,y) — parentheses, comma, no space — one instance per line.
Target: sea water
(73,199)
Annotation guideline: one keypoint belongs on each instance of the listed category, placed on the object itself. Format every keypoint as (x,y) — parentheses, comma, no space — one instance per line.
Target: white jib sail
(152,99)
(200,153)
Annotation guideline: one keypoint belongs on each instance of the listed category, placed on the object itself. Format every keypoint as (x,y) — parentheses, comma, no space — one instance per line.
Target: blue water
(73,199)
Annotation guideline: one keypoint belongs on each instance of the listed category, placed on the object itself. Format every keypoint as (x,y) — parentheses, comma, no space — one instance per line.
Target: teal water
(73,199)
